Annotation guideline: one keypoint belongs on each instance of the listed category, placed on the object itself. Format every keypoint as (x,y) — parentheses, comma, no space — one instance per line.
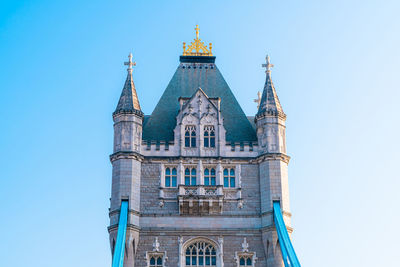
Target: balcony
(200,199)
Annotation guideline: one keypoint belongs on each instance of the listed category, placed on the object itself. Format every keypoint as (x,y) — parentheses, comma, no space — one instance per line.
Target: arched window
(190,176)
(245,261)
(190,136)
(201,253)
(156,261)
(209,136)
(209,176)
(170,177)
(229,177)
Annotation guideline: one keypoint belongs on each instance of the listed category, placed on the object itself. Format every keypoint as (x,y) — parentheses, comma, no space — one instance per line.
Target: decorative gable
(199,129)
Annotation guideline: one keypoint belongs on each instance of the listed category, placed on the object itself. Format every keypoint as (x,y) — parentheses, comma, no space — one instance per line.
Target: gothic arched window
(190,136)
(190,176)
(229,177)
(201,253)
(209,136)
(209,176)
(170,177)
(245,261)
(156,261)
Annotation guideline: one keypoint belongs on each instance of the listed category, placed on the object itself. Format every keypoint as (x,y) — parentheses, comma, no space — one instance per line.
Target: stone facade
(199,194)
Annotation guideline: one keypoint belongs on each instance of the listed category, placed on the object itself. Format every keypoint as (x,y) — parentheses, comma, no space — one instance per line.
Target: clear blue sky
(336,72)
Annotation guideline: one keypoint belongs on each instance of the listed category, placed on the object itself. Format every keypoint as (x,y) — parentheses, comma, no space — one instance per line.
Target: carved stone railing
(200,199)
(200,191)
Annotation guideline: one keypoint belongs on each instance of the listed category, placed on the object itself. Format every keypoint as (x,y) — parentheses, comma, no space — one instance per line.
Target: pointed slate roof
(128,101)
(269,103)
(192,73)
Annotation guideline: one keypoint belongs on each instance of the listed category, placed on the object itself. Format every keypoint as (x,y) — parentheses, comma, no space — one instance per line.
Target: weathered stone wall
(231,243)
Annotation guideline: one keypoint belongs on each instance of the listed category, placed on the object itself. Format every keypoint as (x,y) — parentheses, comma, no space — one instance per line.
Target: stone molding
(126,155)
(130,211)
(270,113)
(272,156)
(138,113)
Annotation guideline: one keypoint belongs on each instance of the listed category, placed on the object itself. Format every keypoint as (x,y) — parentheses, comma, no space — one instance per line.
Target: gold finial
(197,31)
(268,65)
(197,47)
(130,64)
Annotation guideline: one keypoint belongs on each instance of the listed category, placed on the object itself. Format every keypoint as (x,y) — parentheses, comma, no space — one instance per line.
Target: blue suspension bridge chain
(118,259)
(287,249)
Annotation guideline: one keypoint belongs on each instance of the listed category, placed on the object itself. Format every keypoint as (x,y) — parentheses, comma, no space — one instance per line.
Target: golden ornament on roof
(197,47)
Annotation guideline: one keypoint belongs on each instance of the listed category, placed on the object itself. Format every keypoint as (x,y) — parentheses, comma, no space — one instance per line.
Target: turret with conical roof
(129,102)
(126,163)
(270,118)
(270,123)
(269,103)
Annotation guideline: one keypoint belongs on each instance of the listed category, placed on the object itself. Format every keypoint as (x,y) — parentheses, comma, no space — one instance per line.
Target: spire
(269,103)
(129,102)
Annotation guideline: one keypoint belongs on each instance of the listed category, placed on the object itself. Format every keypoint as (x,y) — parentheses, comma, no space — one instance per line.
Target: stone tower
(201,177)
(126,165)
(273,164)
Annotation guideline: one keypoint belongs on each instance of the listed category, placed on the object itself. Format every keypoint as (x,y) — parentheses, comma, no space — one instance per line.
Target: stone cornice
(285,213)
(114,212)
(114,227)
(197,232)
(126,155)
(270,113)
(250,160)
(138,113)
(272,227)
(273,156)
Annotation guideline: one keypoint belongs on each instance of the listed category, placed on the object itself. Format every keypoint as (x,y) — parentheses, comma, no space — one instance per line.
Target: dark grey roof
(252,122)
(269,100)
(186,80)
(128,102)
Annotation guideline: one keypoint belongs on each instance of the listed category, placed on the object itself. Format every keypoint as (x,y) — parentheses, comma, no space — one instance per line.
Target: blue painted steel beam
(284,239)
(118,259)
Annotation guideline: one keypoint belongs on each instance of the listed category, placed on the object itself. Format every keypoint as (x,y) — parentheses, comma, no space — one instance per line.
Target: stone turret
(273,164)
(126,164)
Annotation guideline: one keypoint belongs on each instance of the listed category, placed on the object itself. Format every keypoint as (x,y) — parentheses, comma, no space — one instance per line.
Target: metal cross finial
(197,31)
(258,100)
(268,65)
(130,63)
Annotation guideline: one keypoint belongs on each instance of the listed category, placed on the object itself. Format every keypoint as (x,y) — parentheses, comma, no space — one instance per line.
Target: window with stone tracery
(246,260)
(170,177)
(209,136)
(190,176)
(245,257)
(209,176)
(156,261)
(201,253)
(229,178)
(190,136)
